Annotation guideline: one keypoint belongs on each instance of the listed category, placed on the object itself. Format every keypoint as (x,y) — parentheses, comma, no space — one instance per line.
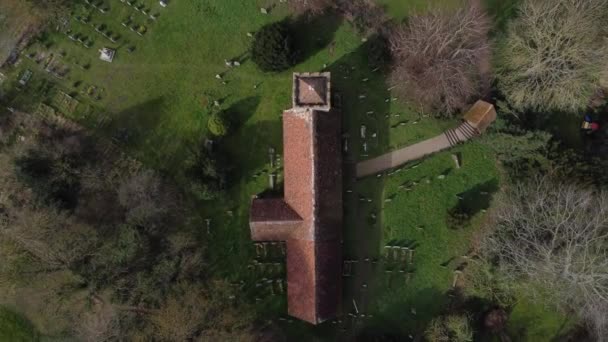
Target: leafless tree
(553,53)
(182,315)
(604,77)
(554,238)
(312,7)
(147,198)
(191,312)
(450,328)
(365,15)
(99,325)
(51,236)
(442,58)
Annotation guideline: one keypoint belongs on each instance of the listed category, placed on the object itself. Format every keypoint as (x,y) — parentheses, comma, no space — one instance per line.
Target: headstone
(457,160)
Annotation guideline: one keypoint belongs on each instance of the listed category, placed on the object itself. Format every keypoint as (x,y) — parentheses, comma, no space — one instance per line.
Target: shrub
(551,56)
(218,125)
(440,59)
(206,175)
(273,48)
(454,328)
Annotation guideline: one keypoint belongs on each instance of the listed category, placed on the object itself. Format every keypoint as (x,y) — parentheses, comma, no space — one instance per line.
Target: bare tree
(442,58)
(365,15)
(450,328)
(554,238)
(146,198)
(604,77)
(552,54)
(51,236)
(313,7)
(191,312)
(99,325)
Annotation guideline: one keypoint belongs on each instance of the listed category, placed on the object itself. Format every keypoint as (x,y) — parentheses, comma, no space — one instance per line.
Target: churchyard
(402,254)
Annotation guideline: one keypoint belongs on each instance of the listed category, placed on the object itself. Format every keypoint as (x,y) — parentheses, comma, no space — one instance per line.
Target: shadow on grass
(132,127)
(388,324)
(470,203)
(240,112)
(361,93)
(312,34)
(479,197)
(249,156)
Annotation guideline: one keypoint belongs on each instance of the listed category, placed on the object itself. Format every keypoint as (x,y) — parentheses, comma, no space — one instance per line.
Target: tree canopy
(552,54)
(273,47)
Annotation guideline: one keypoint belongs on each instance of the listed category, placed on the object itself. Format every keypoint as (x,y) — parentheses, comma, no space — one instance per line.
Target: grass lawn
(531,321)
(158,92)
(15,328)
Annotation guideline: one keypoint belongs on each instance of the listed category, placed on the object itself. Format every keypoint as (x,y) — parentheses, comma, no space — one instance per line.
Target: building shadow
(254,160)
(361,90)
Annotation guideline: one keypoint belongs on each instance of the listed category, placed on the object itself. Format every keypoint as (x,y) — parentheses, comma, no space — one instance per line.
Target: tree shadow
(419,309)
(313,33)
(241,111)
(479,197)
(132,127)
(470,203)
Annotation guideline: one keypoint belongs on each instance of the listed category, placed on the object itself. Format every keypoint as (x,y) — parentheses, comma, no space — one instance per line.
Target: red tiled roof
(272,210)
(313,190)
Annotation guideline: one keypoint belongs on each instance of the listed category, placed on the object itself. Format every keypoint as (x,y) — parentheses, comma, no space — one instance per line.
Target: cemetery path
(447,139)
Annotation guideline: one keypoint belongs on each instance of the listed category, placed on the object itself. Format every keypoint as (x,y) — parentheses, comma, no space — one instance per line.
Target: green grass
(159,93)
(530,321)
(15,328)
(417,219)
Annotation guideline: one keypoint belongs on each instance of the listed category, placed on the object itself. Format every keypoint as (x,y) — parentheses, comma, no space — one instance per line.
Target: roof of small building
(481,115)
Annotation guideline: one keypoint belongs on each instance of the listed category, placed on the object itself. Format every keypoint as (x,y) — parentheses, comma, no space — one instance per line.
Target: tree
(604,77)
(273,47)
(450,328)
(52,237)
(441,59)
(99,325)
(218,125)
(551,238)
(51,9)
(191,311)
(552,54)
(205,174)
(147,199)
(365,15)
(313,7)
